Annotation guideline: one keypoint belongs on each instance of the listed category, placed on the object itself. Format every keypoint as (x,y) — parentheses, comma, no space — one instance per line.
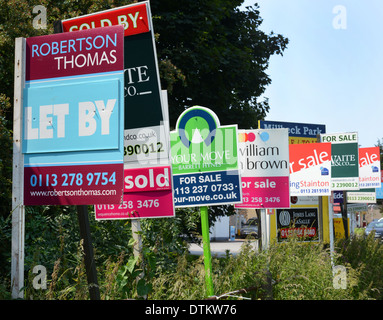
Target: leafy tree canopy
(221,54)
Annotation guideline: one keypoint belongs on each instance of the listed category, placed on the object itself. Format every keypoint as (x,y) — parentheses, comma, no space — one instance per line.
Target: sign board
(344,160)
(298,132)
(369,168)
(147,194)
(73,116)
(299,222)
(339,228)
(337,196)
(362,196)
(264,159)
(310,169)
(204,160)
(379,191)
(144,134)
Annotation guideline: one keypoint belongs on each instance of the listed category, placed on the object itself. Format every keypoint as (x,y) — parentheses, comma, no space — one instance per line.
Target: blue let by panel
(73,115)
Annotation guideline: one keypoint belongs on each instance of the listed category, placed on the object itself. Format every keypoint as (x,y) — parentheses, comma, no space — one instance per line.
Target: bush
(366,255)
(286,271)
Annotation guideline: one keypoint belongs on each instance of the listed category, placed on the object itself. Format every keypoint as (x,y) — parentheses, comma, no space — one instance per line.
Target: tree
(222,55)
(210,53)
(379,144)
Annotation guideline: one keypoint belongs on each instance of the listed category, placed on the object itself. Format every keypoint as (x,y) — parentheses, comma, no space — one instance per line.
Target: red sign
(73,185)
(306,156)
(299,232)
(147,194)
(70,54)
(133,18)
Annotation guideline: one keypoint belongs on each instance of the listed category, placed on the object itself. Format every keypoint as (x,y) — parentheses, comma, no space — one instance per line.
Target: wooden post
(18,210)
(137,247)
(90,265)
(136,229)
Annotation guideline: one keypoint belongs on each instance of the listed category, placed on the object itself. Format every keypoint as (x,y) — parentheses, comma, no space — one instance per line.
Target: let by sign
(73,118)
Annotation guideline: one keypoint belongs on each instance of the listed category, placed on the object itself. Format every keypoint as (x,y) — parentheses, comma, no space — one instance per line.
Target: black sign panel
(299,222)
(142,96)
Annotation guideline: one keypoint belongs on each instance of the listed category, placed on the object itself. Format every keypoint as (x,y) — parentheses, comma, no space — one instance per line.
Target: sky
(331,71)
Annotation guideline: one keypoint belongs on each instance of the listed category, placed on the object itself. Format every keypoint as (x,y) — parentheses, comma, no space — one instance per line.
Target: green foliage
(288,271)
(220,52)
(5,157)
(366,255)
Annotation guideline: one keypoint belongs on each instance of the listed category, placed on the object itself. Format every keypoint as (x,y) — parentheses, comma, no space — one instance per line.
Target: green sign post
(205,169)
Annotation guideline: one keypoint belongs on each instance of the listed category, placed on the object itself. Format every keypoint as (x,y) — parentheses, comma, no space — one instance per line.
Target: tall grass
(364,254)
(290,270)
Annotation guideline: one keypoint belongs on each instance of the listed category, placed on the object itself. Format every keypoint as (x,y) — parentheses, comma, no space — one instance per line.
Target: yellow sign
(339,228)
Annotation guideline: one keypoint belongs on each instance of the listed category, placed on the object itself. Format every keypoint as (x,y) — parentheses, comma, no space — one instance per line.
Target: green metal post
(206,250)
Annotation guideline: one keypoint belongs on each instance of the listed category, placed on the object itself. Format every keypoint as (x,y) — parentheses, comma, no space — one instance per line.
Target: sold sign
(147,194)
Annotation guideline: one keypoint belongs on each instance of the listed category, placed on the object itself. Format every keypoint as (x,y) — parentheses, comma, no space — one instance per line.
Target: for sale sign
(73,118)
(264,164)
(147,194)
(344,160)
(310,169)
(369,168)
(204,160)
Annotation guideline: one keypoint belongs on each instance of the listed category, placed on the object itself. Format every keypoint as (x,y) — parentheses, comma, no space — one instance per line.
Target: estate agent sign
(144,134)
(344,160)
(264,163)
(204,160)
(299,133)
(310,169)
(147,194)
(299,222)
(73,118)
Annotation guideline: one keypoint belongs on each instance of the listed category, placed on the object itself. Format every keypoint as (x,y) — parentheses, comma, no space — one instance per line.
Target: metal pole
(345,215)
(90,265)
(206,250)
(331,231)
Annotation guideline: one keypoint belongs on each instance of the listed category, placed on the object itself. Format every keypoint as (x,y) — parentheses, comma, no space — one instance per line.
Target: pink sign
(147,194)
(73,185)
(265,192)
(71,54)
(264,159)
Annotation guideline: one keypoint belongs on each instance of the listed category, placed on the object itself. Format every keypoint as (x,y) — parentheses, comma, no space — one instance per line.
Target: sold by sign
(145,136)
(310,169)
(73,118)
(264,164)
(147,194)
(133,18)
